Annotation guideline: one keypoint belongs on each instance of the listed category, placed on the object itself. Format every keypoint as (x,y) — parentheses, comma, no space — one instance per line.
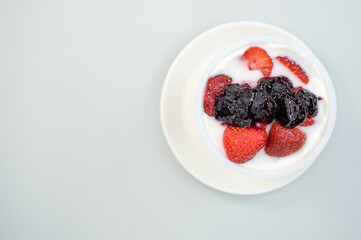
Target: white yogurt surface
(238,70)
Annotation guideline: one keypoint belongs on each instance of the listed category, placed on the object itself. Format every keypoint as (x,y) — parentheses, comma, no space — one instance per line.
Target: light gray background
(82,154)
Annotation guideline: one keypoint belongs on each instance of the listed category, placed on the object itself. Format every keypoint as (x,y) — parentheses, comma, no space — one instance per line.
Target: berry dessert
(265,106)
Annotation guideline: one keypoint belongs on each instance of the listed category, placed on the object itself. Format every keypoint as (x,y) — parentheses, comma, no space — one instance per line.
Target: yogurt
(232,66)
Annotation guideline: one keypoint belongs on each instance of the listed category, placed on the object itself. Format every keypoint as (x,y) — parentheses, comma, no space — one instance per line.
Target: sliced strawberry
(214,87)
(282,141)
(242,144)
(297,89)
(294,68)
(258,59)
(308,122)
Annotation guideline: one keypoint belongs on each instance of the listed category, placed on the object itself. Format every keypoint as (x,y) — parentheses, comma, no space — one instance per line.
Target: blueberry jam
(272,99)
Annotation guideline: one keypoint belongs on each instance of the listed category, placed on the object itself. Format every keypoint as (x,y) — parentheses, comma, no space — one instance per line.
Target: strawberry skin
(308,122)
(282,141)
(214,87)
(258,59)
(242,144)
(294,68)
(297,89)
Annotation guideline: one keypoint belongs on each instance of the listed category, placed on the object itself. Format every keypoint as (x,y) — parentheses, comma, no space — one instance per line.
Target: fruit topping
(282,141)
(262,106)
(273,99)
(242,144)
(214,87)
(308,122)
(291,112)
(294,68)
(232,106)
(311,101)
(258,59)
(297,89)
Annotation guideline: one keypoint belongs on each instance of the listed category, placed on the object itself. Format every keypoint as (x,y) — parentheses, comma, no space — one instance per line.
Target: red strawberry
(282,141)
(308,122)
(242,144)
(214,87)
(296,89)
(258,59)
(295,68)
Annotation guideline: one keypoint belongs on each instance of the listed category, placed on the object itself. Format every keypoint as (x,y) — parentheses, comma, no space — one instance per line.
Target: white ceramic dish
(178,115)
(331,109)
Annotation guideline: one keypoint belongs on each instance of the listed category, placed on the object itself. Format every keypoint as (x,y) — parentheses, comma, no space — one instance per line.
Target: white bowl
(311,157)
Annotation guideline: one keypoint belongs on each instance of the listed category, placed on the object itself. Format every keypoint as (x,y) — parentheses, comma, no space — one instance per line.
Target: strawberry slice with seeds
(308,122)
(242,144)
(258,59)
(282,141)
(214,87)
(294,68)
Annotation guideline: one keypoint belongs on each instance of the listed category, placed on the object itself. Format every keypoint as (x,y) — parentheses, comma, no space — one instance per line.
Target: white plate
(178,117)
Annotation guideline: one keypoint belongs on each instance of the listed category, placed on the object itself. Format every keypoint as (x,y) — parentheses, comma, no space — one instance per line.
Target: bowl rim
(332,107)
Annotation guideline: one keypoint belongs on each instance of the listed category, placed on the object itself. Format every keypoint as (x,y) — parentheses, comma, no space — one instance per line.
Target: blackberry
(292,112)
(232,106)
(277,87)
(262,106)
(311,101)
(272,99)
